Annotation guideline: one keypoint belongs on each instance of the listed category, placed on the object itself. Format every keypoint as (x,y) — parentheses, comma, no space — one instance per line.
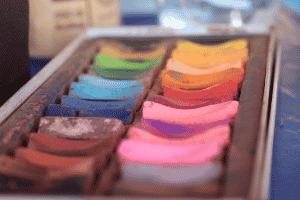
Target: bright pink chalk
(204,115)
(144,152)
(219,134)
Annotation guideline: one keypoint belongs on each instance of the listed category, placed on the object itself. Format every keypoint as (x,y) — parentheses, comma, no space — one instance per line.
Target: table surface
(286,148)
(285,176)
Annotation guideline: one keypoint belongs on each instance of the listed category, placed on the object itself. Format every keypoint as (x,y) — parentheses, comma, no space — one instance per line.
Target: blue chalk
(79,104)
(59,110)
(93,92)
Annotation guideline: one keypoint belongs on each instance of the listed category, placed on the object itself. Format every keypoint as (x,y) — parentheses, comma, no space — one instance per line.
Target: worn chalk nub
(81,128)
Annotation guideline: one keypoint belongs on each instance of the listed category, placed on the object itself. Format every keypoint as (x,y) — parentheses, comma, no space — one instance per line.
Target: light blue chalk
(107,83)
(93,92)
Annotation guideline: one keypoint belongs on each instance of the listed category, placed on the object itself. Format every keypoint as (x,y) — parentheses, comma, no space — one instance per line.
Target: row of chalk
(182,133)
(67,156)
(114,96)
(73,151)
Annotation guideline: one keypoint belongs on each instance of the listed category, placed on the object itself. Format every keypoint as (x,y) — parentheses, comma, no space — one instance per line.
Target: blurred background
(55,23)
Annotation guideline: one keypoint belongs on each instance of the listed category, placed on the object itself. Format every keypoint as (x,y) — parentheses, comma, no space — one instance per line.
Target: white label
(103,11)
(69,14)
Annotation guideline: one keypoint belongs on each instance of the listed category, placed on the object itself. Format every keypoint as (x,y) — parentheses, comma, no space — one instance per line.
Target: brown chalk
(71,147)
(64,172)
(18,177)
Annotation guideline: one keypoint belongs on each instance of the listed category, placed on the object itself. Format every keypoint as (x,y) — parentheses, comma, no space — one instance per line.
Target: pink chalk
(219,134)
(144,152)
(204,115)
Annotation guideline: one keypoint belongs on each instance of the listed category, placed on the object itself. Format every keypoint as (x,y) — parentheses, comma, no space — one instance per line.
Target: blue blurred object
(36,64)
(293,5)
(140,12)
(139,19)
(190,15)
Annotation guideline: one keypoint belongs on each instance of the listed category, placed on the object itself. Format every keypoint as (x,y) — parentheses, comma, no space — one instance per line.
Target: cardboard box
(55,23)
